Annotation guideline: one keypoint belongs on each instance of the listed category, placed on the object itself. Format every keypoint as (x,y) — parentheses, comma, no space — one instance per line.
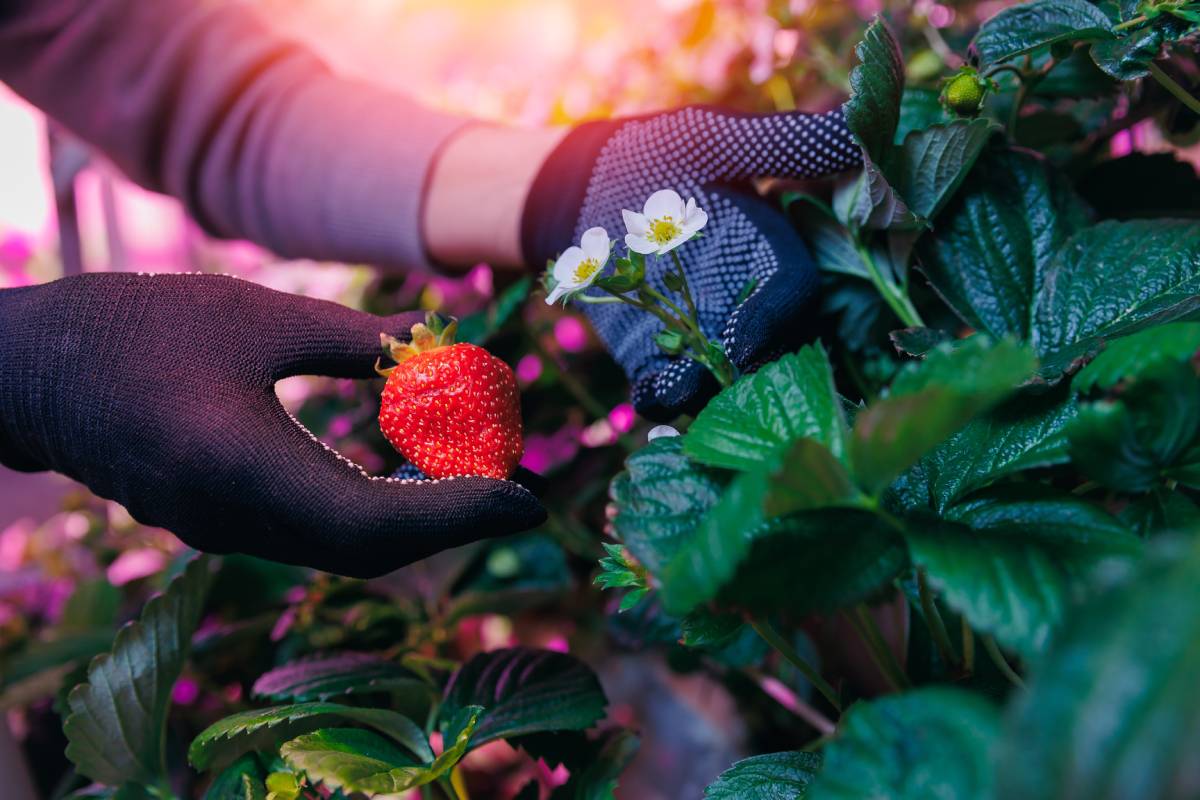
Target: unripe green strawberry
(450,409)
(964,93)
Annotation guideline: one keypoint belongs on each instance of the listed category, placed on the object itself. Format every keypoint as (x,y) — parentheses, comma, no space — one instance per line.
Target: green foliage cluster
(1001,439)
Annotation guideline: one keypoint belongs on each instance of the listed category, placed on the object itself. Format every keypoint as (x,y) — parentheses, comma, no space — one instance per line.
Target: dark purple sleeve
(201,100)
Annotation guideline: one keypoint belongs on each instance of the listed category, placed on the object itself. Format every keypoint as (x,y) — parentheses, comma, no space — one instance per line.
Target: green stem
(1130,23)
(896,299)
(687,290)
(772,637)
(993,651)
(881,654)
(933,618)
(968,646)
(689,322)
(572,384)
(1174,88)
(447,786)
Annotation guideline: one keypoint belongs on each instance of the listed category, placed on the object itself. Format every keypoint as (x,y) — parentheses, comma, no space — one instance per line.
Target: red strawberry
(450,409)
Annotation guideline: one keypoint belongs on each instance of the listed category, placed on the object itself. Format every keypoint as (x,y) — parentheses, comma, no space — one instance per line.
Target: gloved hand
(601,168)
(156,391)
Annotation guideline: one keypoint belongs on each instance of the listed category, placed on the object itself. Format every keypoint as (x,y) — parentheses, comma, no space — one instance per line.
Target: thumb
(316,508)
(317,337)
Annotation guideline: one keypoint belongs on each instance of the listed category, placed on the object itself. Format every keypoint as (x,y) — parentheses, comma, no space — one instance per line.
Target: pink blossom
(134,564)
(558,644)
(570,334)
(340,426)
(185,692)
(545,452)
(622,418)
(529,369)
(599,434)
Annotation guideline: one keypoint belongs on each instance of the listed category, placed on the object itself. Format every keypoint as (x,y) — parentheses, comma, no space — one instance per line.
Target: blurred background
(64,210)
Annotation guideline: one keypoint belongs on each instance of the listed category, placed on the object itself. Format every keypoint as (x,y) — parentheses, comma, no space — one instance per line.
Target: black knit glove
(748,246)
(156,391)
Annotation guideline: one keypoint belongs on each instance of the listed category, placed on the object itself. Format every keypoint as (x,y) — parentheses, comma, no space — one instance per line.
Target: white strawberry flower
(578,267)
(665,223)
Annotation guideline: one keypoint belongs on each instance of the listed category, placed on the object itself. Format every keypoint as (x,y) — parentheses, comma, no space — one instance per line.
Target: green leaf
(1134,442)
(929,401)
(868,200)
(995,240)
(324,676)
(525,691)
(355,760)
(876,85)
(931,164)
(1023,433)
(660,498)
(241,780)
(240,733)
(1114,279)
(808,476)
(1127,357)
(93,604)
(509,575)
(704,628)
(1029,26)
(751,422)
(1129,57)
(919,109)
(815,561)
(1112,708)
(597,779)
(479,328)
(118,716)
(774,776)
(1162,511)
(705,560)
(934,742)
(1012,566)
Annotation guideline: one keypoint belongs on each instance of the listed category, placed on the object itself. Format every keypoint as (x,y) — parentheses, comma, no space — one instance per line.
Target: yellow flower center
(586,269)
(663,230)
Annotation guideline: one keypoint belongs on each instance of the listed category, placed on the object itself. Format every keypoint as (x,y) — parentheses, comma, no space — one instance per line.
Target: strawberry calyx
(432,334)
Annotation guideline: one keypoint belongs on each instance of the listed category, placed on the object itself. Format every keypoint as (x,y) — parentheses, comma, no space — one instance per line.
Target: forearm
(477,193)
(252,132)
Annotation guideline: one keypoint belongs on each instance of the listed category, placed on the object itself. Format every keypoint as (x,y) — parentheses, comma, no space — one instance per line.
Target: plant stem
(993,651)
(1130,23)
(933,618)
(788,699)
(968,646)
(772,637)
(447,786)
(897,301)
(881,654)
(1174,88)
(687,290)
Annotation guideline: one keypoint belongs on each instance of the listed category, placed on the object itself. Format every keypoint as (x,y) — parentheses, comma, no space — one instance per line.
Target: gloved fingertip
(532,481)
(682,387)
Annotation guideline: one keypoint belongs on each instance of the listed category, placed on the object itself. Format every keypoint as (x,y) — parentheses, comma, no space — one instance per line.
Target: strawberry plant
(946,550)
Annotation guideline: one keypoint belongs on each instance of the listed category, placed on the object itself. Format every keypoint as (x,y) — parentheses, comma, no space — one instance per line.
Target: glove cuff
(556,196)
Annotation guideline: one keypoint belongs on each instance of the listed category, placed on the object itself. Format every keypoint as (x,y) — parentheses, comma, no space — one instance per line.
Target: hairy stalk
(933,618)
(1131,23)
(785,649)
(993,651)
(687,290)
(895,298)
(1168,83)
(881,654)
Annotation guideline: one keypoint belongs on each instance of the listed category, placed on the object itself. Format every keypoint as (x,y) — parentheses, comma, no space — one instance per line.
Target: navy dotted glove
(157,391)
(753,280)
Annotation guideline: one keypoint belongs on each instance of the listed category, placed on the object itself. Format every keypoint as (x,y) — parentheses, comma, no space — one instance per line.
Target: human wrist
(477,192)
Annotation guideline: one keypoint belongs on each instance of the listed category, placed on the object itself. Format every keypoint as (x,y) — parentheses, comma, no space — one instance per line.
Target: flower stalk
(665,224)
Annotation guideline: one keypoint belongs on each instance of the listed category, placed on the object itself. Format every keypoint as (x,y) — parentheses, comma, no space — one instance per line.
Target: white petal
(596,244)
(660,431)
(693,225)
(640,244)
(564,268)
(671,245)
(690,208)
(635,223)
(556,293)
(665,203)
